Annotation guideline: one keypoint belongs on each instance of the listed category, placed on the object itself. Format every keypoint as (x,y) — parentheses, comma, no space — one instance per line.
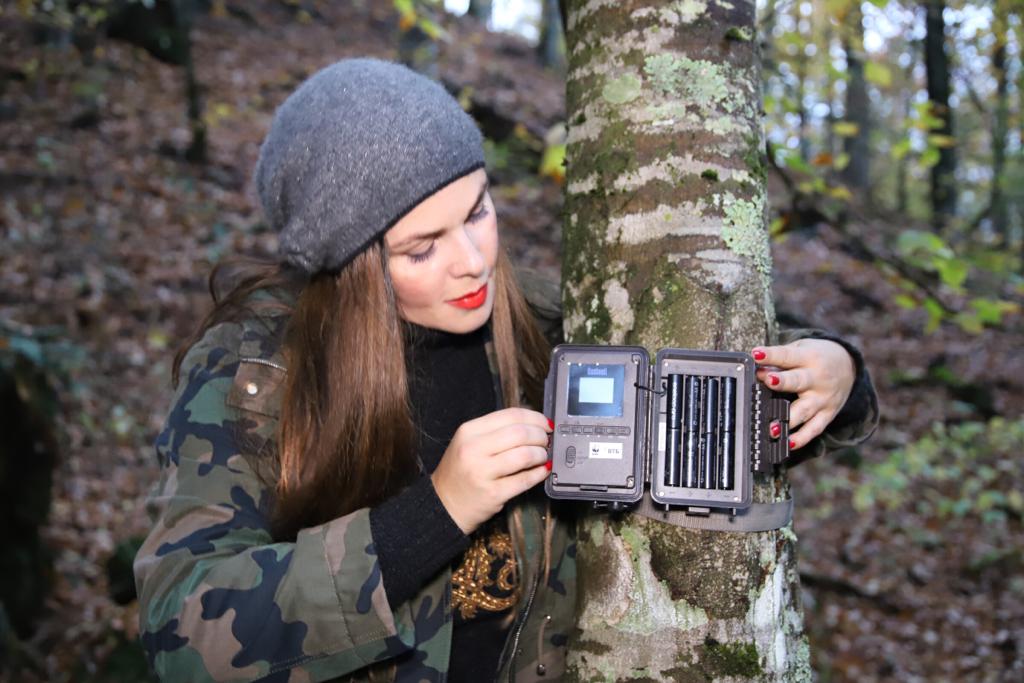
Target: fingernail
(773,380)
(775,429)
(551,423)
(547,465)
(758,354)
(792,444)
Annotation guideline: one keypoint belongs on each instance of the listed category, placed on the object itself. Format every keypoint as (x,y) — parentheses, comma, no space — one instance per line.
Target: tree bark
(943,189)
(830,93)
(481,9)
(801,96)
(997,198)
(666,244)
(856,174)
(551,47)
(184,11)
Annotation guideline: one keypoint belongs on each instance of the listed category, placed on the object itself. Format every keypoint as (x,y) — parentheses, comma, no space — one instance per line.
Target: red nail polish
(758,354)
(792,444)
(774,380)
(775,429)
(551,423)
(547,465)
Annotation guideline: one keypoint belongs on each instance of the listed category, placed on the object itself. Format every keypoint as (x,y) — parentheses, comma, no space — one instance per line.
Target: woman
(337,451)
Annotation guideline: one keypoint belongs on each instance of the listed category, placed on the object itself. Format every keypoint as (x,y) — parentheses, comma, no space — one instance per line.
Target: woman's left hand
(819,371)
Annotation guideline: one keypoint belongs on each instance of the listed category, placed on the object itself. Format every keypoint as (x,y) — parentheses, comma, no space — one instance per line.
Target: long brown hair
(345,436)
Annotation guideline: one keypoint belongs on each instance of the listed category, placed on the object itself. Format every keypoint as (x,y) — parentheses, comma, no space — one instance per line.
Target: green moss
(638,544)
(599,325)
(593,50)
(754,159)
(608,157)
(710,174)
(731,659)
(741,34)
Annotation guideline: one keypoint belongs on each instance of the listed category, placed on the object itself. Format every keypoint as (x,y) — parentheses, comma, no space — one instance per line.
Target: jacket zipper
(261,361)
(519,629)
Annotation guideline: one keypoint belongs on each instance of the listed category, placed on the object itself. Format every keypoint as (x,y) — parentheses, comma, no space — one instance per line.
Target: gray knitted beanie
(356,147)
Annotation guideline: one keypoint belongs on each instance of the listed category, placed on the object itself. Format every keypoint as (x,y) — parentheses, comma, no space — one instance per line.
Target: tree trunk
(900,126)
(665,244)
(551,48)
(937,69)
(1000,218)
(856,174)
(830,93)
(801,96)
(903,165)
(481,9)
(183,14)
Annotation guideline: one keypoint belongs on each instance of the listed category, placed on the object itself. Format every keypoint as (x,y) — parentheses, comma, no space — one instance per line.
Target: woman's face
(441,256)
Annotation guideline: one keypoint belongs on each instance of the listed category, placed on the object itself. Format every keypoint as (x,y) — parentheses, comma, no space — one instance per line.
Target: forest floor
(912,548)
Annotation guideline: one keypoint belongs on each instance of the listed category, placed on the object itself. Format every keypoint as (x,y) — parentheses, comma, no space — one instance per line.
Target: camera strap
(757,517)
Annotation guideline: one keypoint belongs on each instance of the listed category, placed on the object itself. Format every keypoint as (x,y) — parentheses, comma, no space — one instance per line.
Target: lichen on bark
(666,245)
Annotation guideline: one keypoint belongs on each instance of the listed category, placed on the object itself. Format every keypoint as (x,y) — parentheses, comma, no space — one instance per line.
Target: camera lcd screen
(595,390)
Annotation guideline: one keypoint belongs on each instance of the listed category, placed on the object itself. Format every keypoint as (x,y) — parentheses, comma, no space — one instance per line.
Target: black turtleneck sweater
(449,383)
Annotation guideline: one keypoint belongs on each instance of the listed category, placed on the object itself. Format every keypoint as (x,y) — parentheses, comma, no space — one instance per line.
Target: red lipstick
(472,300)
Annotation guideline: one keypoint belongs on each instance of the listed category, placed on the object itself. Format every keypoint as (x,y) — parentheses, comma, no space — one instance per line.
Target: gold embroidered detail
(488,564)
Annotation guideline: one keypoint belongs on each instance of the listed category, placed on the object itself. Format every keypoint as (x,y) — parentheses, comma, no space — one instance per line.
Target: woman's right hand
(490,460)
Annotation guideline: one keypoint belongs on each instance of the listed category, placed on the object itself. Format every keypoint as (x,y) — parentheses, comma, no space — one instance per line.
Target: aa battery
(700,432)
(709,440)
(728,430)
(673,429)
(691,431)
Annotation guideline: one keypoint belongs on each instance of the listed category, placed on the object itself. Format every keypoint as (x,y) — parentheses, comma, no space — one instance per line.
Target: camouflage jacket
(219,600)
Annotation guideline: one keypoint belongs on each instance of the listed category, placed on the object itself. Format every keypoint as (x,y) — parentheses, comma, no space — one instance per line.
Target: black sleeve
(414,537)
(858,417)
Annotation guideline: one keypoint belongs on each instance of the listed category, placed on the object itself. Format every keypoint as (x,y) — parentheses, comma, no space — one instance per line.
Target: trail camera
(693,427)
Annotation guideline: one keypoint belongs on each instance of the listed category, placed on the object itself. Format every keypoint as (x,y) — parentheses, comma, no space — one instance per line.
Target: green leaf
(846,129)
(905,301)
(930,157)
(553,162)
(935,315)
(880,4)
(841,161)
(432,29)
(952,271)
(969,322)
(900,149)
(838,8)
(878,74)
(991,311)
(941,141)
(917,241)
(792,160)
